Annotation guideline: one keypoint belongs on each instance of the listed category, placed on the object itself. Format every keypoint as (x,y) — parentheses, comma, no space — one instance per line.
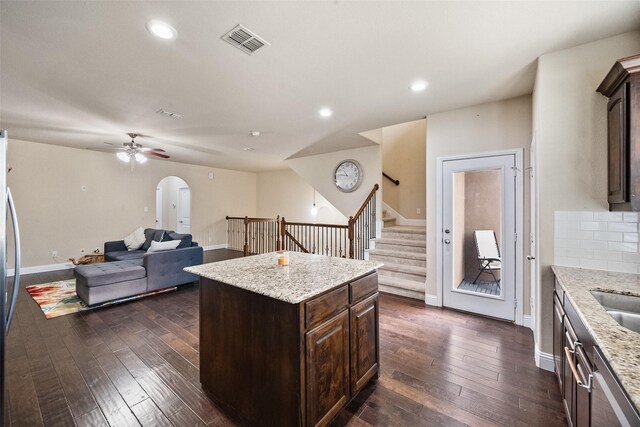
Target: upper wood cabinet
(622,86)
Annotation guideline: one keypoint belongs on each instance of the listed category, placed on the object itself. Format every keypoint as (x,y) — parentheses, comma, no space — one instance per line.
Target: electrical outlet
(54,254)
(82,251)
(418,211)
(96,250)
(146,208)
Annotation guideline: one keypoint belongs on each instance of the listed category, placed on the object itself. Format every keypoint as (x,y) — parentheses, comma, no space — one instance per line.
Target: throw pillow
(151,234)
(134,240)
(185,239)
(163,246)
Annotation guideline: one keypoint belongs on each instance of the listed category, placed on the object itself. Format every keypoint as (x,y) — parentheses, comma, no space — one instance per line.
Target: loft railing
(262,235)
(323,239)
(253,235)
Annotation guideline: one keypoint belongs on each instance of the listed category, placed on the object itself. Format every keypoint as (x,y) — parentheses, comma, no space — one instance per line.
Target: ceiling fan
(132,152)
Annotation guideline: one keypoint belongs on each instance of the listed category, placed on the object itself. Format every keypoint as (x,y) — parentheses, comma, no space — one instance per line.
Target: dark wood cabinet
(622,87)
(364,343)
(558,339)
(327,369)
(618,145)
(269,362)
(592,395)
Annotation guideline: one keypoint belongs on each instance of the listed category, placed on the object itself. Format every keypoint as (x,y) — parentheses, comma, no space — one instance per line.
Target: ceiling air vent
(245,40)
(172,114)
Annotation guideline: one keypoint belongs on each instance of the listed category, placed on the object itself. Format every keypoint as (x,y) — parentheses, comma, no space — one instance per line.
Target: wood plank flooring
(137,364)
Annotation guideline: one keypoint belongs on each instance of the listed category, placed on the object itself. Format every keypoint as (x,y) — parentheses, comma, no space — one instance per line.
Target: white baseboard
(544,360)
(213,247)
(431,300)
(41,268)
(400,220)
(526,321)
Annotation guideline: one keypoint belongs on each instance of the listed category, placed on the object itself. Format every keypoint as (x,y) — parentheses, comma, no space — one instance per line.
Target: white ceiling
(77,73)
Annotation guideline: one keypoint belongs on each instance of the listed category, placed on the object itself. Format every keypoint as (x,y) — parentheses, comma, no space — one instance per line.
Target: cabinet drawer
(325,306)
(363,287)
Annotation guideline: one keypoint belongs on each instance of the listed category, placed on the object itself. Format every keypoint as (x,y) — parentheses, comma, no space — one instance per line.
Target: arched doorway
(173,205)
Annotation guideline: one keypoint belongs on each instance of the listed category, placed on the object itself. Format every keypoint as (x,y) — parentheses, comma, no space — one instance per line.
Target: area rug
(59,298)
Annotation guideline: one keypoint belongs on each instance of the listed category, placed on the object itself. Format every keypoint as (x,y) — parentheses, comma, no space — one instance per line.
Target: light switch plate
(146,208)
(211,175)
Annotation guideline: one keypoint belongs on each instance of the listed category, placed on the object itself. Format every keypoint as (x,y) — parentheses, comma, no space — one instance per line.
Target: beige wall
(570,128)
(169,187)
(493,126)
(318,172)
(55,214)
(403,158)
(286,194)
(483,200)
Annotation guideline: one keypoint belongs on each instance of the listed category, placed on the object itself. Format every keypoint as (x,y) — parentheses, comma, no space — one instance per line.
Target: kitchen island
(287,345)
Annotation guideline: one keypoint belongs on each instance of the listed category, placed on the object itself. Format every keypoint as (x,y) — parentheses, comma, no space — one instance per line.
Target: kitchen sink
(624,309)
(617,302)
(628,320)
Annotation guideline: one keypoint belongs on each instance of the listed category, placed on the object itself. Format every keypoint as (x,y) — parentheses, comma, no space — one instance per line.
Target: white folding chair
(488,253)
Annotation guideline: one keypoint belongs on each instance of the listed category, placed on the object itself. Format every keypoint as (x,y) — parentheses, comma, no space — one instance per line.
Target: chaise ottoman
(107,281)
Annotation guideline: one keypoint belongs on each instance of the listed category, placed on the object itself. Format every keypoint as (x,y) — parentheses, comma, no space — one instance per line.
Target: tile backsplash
(597,240)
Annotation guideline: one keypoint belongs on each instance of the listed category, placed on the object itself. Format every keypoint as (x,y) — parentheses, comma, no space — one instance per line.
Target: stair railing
(262,235)
(362,226)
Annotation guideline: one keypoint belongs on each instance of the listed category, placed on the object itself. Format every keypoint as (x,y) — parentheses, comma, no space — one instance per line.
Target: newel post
(351,236)
(246,235)
(278,231)
(283,231)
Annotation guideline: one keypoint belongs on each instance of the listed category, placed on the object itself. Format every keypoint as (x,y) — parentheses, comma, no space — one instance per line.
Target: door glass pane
(477,232)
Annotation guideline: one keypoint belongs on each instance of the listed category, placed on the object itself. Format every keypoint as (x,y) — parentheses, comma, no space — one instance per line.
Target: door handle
(16,274)
(530,258)
(447,241)
(180,222)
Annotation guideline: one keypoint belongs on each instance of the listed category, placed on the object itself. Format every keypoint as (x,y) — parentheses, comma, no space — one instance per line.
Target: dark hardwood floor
(137,363)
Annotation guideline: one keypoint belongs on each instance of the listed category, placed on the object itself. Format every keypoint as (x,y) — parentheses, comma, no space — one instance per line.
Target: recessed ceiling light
(249,149)
(325,112)
(255,133)
(418,85)
(161,29)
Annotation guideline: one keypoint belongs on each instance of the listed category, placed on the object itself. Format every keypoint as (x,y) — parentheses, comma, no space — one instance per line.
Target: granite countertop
(306,275)
(620,345)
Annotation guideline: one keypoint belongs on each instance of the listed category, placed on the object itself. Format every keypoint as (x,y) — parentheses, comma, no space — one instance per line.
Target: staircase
(402,249)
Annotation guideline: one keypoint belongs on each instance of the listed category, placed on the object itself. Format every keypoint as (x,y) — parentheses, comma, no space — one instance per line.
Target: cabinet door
(558,338)
(618,147)
(365,353)
(327,369)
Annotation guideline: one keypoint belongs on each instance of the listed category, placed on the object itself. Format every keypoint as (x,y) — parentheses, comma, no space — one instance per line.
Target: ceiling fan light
(124,156)
(141,158)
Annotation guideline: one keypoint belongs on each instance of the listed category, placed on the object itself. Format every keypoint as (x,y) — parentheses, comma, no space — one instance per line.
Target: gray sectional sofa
(127,273)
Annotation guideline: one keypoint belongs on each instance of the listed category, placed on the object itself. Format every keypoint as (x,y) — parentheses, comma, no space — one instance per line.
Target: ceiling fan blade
(160,150)
(153,153)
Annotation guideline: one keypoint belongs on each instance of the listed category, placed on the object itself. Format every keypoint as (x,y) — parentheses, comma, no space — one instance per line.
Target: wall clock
(348,175)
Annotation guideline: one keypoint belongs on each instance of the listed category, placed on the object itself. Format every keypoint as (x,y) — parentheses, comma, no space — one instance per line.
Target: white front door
(184,210)
(159,208)
(478,202)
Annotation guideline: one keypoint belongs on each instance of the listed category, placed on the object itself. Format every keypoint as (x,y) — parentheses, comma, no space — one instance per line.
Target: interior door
(159,208)
(479,268)
(184,210)
(533,231)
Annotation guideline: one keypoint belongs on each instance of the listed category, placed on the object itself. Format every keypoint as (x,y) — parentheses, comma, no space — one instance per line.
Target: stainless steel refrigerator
(8,290)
